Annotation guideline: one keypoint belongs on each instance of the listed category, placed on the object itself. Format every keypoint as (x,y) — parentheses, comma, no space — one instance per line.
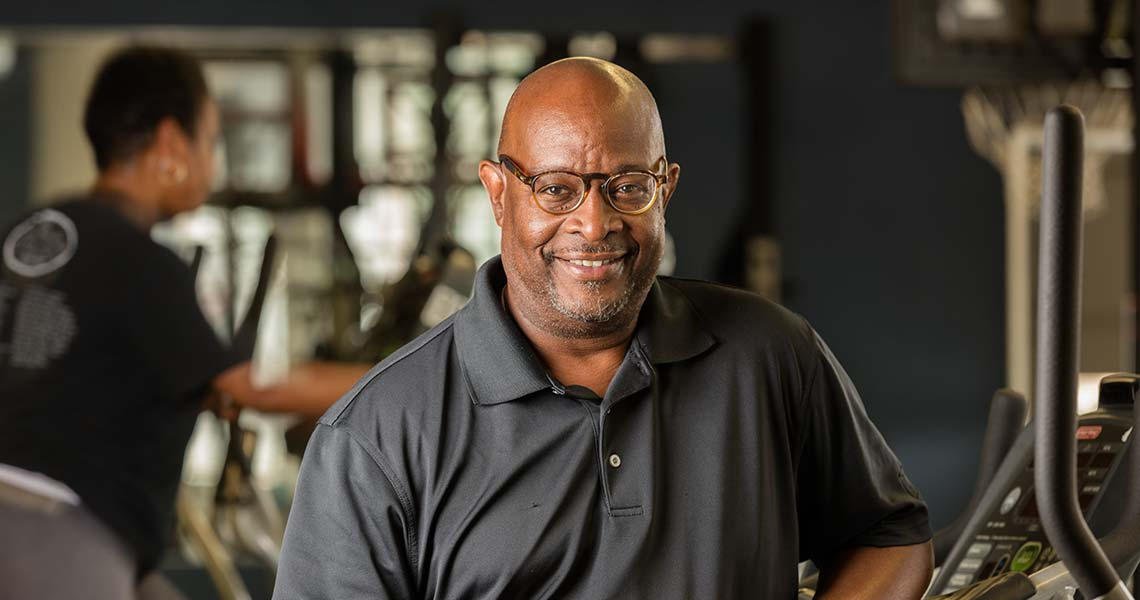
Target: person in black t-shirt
(105,356)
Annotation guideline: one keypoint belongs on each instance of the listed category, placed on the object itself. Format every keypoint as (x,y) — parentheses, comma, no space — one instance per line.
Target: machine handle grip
(1011,586)
(196,261)
(1058,342)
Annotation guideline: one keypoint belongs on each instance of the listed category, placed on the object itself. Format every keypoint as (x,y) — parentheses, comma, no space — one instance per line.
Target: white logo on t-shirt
(41,244)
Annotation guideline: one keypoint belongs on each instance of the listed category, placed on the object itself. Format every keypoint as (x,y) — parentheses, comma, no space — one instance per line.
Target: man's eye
(630,188)
(554,190)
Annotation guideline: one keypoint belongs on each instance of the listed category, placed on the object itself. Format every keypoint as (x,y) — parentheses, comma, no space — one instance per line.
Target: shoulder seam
(808,387)
(397,486)
(398,356)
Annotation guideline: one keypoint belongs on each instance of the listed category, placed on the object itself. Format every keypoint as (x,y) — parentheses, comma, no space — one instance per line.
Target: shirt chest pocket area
(524,503)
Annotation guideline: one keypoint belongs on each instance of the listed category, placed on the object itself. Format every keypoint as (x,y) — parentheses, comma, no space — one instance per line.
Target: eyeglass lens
(562,192)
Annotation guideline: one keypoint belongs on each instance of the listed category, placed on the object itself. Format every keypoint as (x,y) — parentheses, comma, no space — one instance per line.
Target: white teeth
(589,263)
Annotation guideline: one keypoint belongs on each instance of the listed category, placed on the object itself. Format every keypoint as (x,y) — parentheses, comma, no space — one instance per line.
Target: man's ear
(170,151)
(495,184)
(674,174)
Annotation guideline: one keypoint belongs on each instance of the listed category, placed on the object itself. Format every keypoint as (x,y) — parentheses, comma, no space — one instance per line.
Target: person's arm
(351,530)
(162,320)
(861,520)
(309,389)
(899,572)
(176,343)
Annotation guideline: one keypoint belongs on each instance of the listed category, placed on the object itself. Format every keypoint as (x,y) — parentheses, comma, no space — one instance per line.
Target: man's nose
(595,218)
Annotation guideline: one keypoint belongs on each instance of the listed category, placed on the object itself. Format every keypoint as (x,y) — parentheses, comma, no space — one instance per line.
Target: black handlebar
(246,336)
(1058,340)
(196,261)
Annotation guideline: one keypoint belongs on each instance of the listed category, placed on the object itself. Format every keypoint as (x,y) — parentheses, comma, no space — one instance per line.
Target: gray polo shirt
(729,446)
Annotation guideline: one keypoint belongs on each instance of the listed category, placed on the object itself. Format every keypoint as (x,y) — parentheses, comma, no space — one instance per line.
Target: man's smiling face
(587,272)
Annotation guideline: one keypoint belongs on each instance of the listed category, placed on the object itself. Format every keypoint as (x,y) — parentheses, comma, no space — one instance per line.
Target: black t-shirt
(729,446)
(104,359)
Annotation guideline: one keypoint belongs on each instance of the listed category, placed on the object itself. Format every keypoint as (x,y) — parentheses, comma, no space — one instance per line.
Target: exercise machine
(1030,537)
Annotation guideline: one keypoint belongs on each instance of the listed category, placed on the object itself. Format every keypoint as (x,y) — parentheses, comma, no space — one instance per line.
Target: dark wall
(893,232)
(702,111)
(14,132)
(891,226)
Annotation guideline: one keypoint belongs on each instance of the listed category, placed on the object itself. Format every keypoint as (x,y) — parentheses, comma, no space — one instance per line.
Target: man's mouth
(592,263)
(593,267)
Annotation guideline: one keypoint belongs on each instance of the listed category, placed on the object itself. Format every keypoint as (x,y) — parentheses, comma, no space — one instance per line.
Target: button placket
(626,455)
(627,438)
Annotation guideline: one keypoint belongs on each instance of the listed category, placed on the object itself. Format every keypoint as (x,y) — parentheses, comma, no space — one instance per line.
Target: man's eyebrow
(630,167)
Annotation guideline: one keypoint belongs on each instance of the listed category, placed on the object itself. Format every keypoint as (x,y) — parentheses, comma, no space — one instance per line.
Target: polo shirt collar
(669,328)
(497,359)
(500,365)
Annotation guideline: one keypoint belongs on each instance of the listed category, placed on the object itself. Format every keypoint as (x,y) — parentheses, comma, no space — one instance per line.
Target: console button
(1025,557)
(979,550)
(1010,500)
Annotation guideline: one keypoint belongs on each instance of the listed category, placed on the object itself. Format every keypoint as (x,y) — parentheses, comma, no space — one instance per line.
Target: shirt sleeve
(348,535)
(851,489)
(166,326)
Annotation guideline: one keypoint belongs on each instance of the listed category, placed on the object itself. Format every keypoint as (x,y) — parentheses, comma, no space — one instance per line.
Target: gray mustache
(595,249)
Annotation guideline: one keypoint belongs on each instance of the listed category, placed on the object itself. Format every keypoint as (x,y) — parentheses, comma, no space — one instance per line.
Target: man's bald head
(581,94)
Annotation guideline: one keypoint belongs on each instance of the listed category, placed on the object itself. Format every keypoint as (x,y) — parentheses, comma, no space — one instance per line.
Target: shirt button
(615,461)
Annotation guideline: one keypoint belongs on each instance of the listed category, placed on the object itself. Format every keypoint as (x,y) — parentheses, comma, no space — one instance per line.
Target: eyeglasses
(562,192)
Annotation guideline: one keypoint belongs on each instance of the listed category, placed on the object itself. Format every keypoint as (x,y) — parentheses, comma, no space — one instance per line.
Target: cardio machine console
(1006,534)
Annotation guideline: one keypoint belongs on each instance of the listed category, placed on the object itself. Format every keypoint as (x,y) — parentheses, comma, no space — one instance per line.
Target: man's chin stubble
(587,319)
(583,320)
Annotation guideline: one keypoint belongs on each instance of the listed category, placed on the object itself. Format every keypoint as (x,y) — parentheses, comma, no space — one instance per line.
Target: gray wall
(892,227)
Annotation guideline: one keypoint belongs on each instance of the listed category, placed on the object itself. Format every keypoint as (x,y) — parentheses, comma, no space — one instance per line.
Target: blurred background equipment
(1017,59)
(1004,125)
(1010,61)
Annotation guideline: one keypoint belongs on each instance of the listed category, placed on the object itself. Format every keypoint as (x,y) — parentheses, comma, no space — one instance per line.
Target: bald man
(585,429)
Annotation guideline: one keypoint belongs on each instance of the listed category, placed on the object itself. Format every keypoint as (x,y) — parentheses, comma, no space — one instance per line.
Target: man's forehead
(561,141)
(582,113)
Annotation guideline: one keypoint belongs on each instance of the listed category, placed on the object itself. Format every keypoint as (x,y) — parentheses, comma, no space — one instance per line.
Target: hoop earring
(179,173)
(172,173)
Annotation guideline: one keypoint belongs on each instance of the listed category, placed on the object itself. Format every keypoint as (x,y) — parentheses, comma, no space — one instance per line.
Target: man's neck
(590,362)
(134,199)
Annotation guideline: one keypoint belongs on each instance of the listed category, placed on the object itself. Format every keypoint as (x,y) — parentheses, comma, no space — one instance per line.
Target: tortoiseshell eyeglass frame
(586,178)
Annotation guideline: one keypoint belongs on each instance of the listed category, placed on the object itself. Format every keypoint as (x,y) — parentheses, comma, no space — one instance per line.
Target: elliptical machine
(1095,568)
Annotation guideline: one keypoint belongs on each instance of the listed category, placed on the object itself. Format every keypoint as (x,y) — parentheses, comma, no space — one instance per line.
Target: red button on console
(1089,432)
